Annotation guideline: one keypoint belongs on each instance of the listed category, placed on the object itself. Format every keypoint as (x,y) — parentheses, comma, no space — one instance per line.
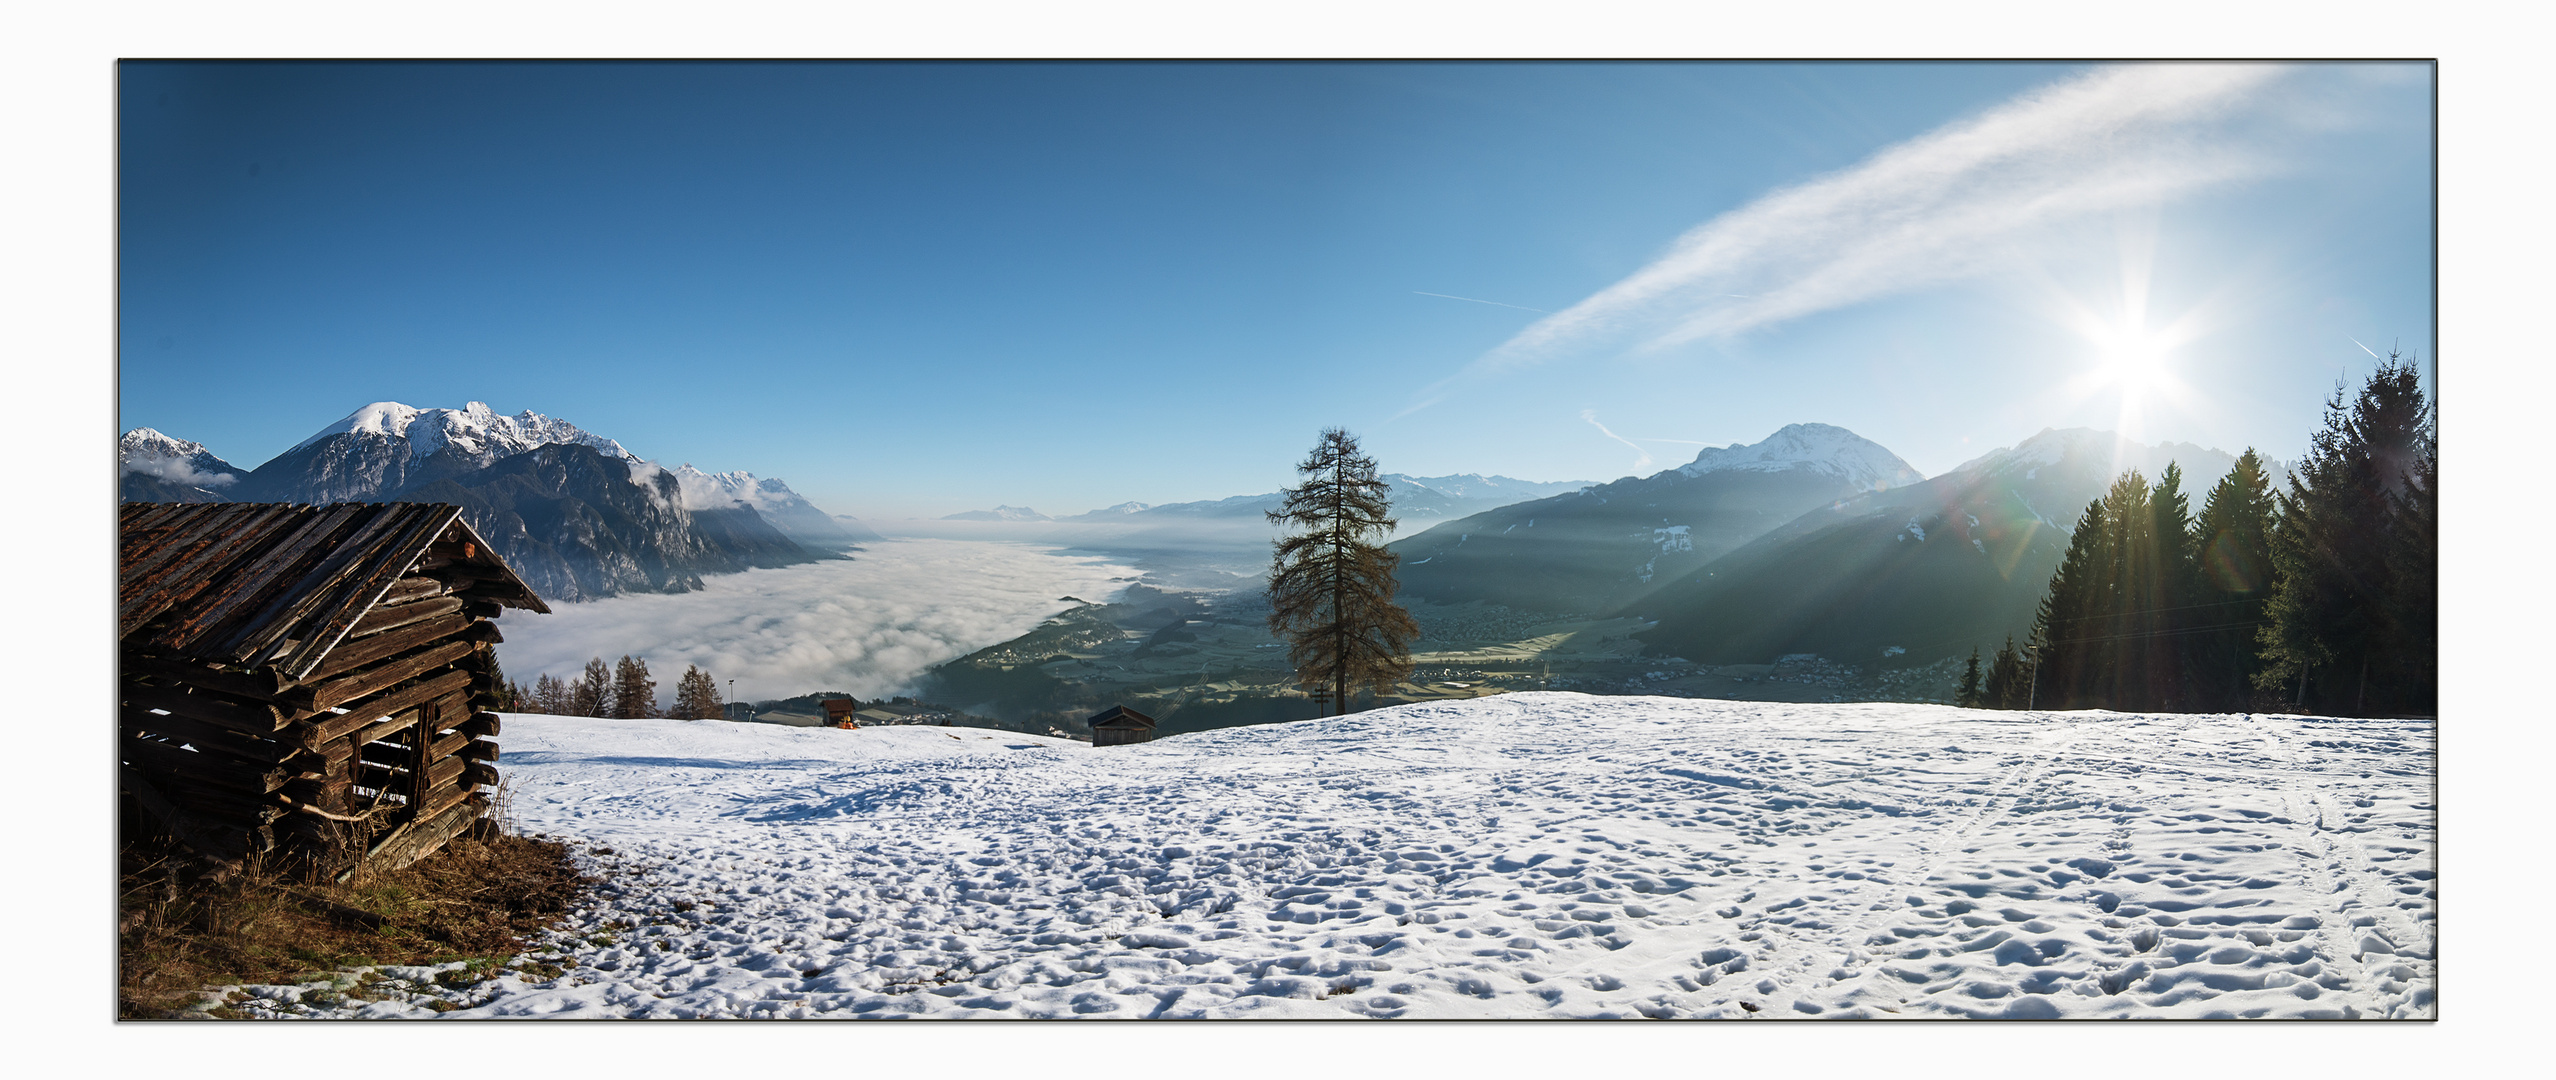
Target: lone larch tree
(1331,581)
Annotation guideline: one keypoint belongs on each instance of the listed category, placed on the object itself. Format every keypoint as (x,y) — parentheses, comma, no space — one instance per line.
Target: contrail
(1642,460)
(2364,348)
(1470,300)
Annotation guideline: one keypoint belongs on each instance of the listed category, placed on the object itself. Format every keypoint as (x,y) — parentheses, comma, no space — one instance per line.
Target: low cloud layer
(178,470)
(1951,204)
(868,626)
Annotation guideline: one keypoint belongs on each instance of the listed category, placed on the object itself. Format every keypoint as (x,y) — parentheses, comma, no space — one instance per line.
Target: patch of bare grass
(186,924)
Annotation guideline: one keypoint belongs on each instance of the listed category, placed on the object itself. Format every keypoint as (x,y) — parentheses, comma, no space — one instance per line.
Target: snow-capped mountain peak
(473,432)
(2103,452)
(706,490)
(1821,447)
(175,460)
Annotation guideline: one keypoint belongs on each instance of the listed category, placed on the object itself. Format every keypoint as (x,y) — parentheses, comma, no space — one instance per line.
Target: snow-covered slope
(1824,448)
(787,510)
(1528,855)
(473,432)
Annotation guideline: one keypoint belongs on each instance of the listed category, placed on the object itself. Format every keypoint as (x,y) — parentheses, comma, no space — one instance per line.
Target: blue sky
(912,289)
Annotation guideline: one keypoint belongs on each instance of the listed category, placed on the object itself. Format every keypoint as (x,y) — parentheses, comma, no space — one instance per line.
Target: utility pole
(2032,696)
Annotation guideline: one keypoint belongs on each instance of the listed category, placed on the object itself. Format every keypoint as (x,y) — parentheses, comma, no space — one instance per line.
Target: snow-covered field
(1530,855)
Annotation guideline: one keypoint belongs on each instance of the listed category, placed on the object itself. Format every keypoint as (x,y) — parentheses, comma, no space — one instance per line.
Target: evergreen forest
(2317,596)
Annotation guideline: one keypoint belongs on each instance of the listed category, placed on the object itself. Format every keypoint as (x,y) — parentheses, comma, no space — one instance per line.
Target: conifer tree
(2008,685)
(2171,585)
(2232,546)
(696,696)
(550,695)
(592,692)
(2343,634)
(634,694)
(1967,695)
(509,694)
(1331,582)
(2070,613)
(2108,633)
(2414,596)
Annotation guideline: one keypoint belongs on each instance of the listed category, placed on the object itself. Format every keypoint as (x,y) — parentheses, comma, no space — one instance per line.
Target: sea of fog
(867,627)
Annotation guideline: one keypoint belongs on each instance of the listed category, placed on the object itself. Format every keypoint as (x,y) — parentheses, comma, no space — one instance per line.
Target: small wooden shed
(1120,725)
(310,679)
(839,713)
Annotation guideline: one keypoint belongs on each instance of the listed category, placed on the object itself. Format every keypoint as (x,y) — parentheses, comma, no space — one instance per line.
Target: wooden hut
(309,678)
(1120,725)
(839,713)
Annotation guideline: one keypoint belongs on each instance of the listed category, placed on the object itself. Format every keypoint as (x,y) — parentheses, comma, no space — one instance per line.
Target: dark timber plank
(248,718)
(391,703)
(391,616)
(356,654)
(388,674)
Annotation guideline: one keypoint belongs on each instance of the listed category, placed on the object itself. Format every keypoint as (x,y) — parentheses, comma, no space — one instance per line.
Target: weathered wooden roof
(274,584)
(1121,716)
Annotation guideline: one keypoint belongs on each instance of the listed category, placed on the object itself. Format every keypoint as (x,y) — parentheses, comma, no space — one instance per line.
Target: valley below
(1198,660)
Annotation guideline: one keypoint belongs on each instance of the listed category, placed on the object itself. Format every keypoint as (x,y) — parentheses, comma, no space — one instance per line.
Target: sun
(2132,358)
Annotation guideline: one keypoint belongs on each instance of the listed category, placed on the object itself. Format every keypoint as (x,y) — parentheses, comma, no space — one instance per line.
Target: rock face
(577,525)
(1930,570)
(1605,546)
(386,448)
(574,513)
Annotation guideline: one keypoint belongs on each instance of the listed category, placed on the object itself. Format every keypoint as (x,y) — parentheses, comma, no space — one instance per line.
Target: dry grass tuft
(186,923)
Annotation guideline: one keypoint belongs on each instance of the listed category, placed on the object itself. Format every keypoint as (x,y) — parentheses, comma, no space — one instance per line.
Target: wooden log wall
(387,743)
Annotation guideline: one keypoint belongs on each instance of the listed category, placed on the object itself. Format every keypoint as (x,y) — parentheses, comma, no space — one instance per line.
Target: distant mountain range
(1915,573)
(1600,547)
(1416,499)
(576,514)
(999,513)
(1815,540)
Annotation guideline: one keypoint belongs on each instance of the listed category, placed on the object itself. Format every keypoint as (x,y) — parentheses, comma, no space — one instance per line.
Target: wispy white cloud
(1641,457)
(1470,300)
(867,627)
(1948,205)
